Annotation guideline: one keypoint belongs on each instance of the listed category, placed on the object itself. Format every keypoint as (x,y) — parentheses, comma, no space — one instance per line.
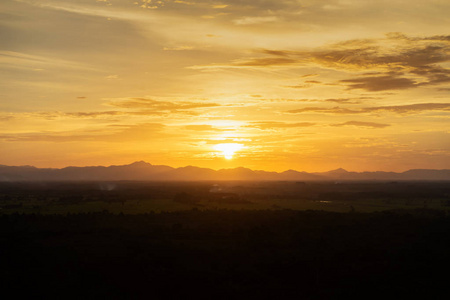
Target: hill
(147,172)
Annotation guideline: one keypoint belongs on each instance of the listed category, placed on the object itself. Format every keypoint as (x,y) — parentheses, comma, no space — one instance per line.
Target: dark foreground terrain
(226,254)
(136,197)
(219,253)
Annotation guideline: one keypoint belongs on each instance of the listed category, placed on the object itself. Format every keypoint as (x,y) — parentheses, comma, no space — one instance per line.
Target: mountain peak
(338,171)
(140,163)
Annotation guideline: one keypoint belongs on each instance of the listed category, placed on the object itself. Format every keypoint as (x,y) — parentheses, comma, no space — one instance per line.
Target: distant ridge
(144,171)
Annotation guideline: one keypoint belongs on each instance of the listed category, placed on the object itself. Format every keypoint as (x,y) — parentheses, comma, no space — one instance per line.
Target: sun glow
(228,149)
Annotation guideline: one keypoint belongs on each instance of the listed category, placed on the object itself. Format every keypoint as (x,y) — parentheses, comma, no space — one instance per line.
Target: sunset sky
(310,85)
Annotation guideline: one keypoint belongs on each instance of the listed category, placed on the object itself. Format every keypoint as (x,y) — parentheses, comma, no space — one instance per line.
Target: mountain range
(144,171)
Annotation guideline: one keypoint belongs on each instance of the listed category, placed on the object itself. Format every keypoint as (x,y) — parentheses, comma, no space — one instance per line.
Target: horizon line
(239,167)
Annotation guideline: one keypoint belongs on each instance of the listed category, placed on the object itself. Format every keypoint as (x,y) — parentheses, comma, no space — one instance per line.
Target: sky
(264,84)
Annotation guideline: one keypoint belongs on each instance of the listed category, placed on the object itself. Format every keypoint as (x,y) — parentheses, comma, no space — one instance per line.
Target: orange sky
(273,85)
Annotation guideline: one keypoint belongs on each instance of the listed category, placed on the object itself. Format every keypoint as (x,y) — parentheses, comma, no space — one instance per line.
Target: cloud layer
(300,84)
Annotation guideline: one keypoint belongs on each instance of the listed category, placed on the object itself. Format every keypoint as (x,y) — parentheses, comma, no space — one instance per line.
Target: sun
(228,149)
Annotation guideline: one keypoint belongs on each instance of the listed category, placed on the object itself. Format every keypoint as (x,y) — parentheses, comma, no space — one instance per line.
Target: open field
(143,197)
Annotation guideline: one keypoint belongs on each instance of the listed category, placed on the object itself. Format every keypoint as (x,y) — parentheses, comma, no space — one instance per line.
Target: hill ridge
(141,170)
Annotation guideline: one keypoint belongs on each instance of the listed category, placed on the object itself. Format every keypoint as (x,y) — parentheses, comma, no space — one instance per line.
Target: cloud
(255,20)
(399,61)
(371,53)
(130,108)
(401,36)
(184,2)
(160,105)
(139,132)
(95,114)
(105,115)
(391,57)
(5,118)
(280,53)
(379,83)
(278,125)
(299,86)
(150,106)
(179,48)
(52,115)
(265,62)
(14,59)
(113,133)
(436,74)
(334,110)
(202,128)
(399,109)
(307,84)
(219,6)
(411,108)
(347,100)
(362,124)
(149,5)
(352,100)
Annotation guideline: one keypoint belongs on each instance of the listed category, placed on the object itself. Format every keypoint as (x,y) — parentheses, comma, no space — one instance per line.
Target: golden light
(228,149)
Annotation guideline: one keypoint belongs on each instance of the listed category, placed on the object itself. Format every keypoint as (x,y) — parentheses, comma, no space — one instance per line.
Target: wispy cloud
(362,124)
(150,106)
(118,133)
(14,59)
(203,128)
(255,20)
(356,100)
(399,109)
(379,83)
(179,48)
(264,62)
(400,61)
(270,125)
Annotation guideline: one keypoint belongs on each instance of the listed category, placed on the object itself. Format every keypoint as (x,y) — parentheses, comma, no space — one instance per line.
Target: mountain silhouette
(144,171)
